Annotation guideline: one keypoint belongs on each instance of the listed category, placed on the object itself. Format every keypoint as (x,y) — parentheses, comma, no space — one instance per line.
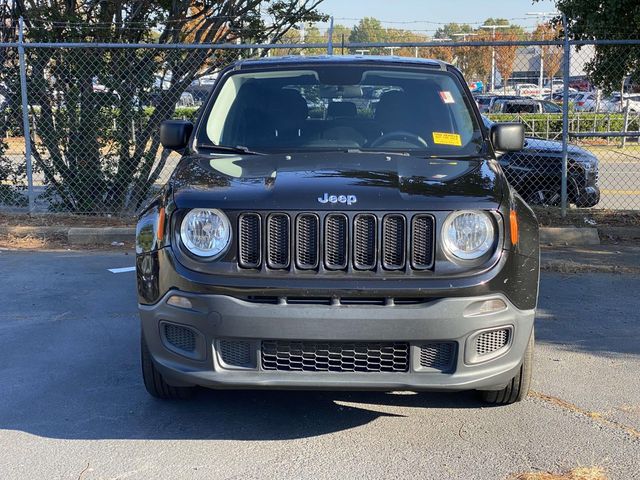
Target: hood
(335,181)
(551,146)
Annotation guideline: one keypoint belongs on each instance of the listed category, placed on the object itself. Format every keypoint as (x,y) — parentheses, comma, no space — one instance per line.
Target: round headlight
(468,234)
(205,232)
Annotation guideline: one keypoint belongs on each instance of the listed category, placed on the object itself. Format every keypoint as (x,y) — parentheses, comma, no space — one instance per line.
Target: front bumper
(215,317)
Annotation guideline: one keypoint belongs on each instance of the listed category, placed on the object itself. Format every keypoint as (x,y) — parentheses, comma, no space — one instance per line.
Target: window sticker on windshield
(446,97)
(441,138)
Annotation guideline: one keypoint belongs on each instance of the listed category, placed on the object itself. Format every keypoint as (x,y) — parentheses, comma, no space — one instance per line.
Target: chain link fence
(86,117)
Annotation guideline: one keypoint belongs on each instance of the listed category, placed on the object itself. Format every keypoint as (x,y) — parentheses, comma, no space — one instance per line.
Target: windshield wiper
(227,148)
(379,152)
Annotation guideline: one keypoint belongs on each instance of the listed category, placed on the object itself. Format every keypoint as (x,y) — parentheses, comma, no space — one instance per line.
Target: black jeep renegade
(338,223)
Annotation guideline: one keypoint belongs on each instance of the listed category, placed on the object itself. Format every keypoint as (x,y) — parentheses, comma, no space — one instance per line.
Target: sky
(421,12)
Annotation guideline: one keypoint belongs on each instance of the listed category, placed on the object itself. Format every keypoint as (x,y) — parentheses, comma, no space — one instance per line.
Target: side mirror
(174,134)
(507,137)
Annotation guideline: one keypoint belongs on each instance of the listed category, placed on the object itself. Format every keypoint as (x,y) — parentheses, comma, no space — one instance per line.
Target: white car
(620,106)
(587,102)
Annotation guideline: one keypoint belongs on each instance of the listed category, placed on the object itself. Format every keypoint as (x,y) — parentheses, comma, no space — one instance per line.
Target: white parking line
(122,270)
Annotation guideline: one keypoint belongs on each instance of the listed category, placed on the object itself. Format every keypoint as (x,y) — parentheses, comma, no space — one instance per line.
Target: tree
(609,20)
(551,54)
(340,33)
(98,145)
(368,30)
(477,60)
(506,55)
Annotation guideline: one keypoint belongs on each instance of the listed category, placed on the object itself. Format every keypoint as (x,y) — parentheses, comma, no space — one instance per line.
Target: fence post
(565,114)
(625,124)
(330,43)
(25,115)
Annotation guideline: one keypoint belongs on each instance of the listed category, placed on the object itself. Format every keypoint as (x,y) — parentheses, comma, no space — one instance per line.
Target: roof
(340,60)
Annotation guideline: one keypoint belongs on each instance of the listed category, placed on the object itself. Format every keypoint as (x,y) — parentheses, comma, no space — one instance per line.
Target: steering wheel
(399,136)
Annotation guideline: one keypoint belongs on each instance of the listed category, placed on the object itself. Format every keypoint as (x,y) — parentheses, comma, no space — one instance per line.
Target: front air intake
(393,242)
(335,241)
(309,356)
(278,241)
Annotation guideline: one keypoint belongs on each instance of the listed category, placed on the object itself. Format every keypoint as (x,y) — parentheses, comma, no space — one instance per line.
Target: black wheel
(518,388)
(155,383)
(545,198)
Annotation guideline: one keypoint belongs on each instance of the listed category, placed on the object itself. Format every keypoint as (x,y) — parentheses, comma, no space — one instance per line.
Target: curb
(566,236)
(101,236)
(76,236)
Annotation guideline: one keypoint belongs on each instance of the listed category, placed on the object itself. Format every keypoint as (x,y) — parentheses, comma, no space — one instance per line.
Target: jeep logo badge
(348,199)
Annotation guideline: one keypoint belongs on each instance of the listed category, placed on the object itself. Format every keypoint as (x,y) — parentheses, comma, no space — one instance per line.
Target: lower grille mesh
(489,342)
(180,337)
(235,353)
(437,356)
(294,356)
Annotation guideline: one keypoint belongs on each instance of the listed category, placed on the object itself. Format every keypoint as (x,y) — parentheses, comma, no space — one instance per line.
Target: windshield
(342,108)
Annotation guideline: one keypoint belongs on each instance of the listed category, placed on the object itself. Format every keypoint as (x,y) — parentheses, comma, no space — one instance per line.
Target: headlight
(468,234)
(588,162)
(205,232)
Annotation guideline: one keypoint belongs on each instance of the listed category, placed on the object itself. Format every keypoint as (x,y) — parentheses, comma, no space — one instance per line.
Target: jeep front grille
(336,241)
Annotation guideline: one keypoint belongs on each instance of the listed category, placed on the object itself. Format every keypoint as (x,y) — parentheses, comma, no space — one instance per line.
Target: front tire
(518,388)
(154,381)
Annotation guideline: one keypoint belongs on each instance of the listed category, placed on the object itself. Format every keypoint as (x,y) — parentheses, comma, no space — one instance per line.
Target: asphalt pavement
(72,405)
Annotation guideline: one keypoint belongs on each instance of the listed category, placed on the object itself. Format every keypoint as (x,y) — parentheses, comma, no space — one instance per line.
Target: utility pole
(493,52)
(542,16)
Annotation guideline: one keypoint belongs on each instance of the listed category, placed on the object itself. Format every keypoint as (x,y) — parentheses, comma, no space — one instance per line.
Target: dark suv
(367,246)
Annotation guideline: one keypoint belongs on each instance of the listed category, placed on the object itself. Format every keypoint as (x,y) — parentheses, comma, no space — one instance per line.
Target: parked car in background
(523,105)
(618,103)
(588,102)
(555,85)
(530,90)
(557,96)
(581,84)
(585,102)
(483,102)
(536,172)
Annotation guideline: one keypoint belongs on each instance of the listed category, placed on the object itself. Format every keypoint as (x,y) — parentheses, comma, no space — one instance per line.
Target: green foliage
(606,20)
(451,29)
(369,30)
(97,140)
(538,124)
